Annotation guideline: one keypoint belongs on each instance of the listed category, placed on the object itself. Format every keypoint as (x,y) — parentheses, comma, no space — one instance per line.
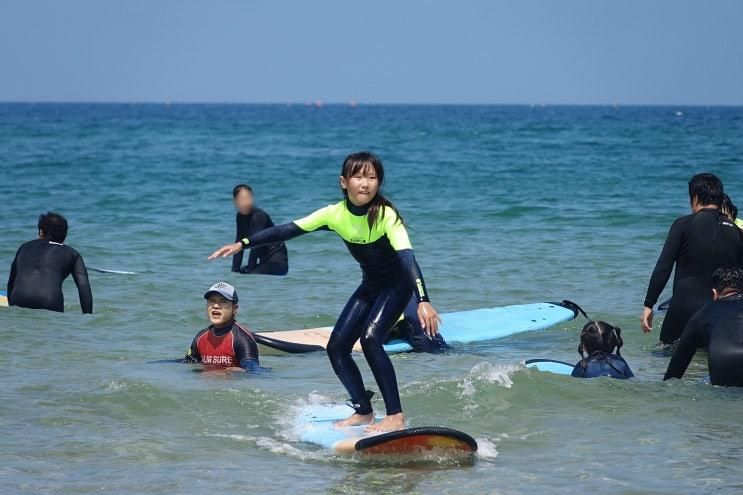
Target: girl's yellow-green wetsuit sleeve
(383,250)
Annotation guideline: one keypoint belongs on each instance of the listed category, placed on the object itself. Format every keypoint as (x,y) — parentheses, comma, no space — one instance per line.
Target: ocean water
(506,205)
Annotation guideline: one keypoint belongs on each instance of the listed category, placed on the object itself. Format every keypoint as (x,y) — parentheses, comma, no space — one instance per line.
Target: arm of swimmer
(685,350)
(80,276)
(271,235)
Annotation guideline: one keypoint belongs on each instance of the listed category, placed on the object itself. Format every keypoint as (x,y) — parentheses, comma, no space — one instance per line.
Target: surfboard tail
(550,366)
(567,304)
(664,305)
(421,439)
(116,272)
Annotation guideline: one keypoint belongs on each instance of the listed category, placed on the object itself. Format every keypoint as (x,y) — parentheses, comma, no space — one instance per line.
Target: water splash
(486,449)
(486,373)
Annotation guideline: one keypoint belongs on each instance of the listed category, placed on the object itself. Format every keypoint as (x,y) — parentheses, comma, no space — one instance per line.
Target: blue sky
(403,51)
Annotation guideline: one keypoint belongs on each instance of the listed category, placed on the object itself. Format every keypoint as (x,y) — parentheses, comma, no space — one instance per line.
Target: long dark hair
(728,208)
(357,162)
(599,336)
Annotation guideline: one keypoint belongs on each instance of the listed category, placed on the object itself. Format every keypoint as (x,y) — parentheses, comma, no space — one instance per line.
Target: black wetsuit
(410,330)
(718,327)
(37,273)
(601,364)
(697,244)
(390,276)
(271,259)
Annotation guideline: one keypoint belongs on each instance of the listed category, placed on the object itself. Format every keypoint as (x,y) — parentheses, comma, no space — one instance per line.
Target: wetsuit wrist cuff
(249,364)
(649,304)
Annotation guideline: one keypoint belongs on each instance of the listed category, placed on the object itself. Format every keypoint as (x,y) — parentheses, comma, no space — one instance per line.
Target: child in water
(225,343)
(598,342)
(374,233)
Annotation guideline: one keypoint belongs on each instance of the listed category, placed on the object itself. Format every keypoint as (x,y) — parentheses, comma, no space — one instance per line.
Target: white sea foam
(487,373)
(289,425)
(114,386)
(486,449)
(275,446)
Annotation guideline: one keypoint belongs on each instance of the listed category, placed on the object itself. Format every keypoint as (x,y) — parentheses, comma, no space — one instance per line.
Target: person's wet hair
(707,188)
(599,336)
(53,226)
(241,187)
(728,278)
(728,208)
(358,162)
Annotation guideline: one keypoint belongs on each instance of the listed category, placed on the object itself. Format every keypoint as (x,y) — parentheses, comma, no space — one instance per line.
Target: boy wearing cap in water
(225,343)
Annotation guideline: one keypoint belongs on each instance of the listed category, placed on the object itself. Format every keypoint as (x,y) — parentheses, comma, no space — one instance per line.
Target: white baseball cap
(223,289)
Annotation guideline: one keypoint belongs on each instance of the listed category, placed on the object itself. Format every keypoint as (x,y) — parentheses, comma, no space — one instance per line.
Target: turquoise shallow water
(506,204)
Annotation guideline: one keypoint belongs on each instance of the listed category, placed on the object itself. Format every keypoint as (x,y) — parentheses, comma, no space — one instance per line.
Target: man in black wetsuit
(697,244)
(272,259)
(718,327)
(40,267)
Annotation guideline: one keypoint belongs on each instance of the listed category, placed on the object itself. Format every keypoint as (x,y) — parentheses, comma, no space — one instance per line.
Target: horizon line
(353,103)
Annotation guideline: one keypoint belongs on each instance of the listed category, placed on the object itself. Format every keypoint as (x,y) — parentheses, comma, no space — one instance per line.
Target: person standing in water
(271,259)
(718,327)
(40,266)
(374,233)
(697,245)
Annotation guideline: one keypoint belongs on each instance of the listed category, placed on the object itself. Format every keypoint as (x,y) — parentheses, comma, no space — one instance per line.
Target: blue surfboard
(461,327)
(477,325)
(550,366)
(3,298)
(316,425)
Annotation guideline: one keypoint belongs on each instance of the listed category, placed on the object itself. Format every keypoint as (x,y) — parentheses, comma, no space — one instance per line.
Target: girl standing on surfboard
(374,232)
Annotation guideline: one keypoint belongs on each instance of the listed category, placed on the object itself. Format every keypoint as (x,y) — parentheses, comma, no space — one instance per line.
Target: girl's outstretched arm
(278,233)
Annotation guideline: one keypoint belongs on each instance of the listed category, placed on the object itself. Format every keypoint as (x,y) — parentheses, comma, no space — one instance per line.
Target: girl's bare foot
(356,420)
(392,422)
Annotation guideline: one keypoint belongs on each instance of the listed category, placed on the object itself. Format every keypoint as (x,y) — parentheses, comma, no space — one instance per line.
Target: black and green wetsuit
(390,275)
